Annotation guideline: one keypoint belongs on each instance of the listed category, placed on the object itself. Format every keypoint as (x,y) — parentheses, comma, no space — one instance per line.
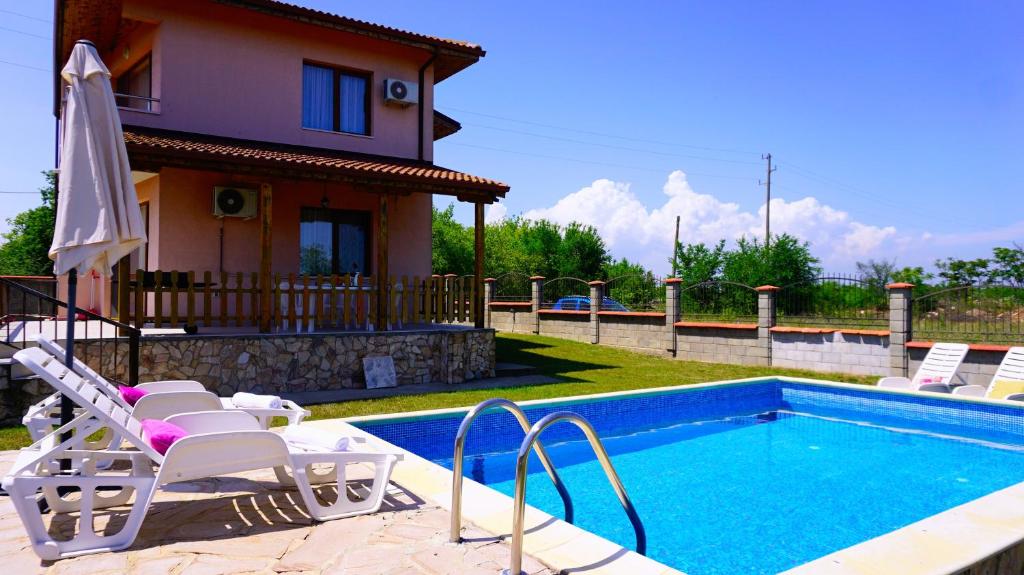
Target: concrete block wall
(721,345)
(566,325)
(835,352)
(512,319)
(645,333)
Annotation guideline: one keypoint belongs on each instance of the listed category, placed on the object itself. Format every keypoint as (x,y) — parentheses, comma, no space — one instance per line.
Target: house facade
(270,141)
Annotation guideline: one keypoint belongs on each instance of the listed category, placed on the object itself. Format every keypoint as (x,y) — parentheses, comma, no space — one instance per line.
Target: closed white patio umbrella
(98,215)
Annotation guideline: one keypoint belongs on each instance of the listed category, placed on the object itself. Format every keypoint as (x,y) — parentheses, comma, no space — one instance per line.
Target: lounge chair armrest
(896,382)
(936,388)
(165,404)
(171,385)
(971,390)
(216,421)
(344,457)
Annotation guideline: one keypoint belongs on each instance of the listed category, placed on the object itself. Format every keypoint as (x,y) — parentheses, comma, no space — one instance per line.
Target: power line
(24,33)
(592,162)
(601,134)
(34,193)
(24,15)
(25,66)
(612,146)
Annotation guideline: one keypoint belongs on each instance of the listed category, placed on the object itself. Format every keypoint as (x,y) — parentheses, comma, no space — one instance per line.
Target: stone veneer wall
(833,351)
(721,345)
(574,326)
(644,333)
(977,369)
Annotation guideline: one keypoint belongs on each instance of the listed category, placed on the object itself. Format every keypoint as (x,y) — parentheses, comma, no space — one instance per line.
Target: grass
(582,369)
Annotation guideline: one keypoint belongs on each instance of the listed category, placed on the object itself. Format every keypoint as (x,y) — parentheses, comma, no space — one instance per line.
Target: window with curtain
(336,100)
(135,87)
(334,241)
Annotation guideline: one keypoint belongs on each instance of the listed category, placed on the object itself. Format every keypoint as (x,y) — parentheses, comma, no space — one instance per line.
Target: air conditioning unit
(234,202)
(400,92)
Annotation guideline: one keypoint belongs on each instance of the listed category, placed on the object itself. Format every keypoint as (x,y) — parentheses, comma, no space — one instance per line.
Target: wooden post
(266,194)
(123,292)
(381,272)
(478,266)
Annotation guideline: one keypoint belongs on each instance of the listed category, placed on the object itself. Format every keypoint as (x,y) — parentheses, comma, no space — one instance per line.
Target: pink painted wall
(189,235)
(234,72)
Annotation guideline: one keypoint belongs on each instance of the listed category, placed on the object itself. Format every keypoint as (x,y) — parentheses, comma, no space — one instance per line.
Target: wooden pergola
(151,150)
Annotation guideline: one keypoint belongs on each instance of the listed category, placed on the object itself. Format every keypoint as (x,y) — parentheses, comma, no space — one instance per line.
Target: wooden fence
(165,299)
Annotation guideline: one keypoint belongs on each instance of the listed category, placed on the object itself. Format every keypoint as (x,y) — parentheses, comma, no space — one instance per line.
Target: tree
(912,275)
(963,272)
(877,273)
(1009,264)
(697,263)
(26,246)
(452,244)
(786,260)
(581,253)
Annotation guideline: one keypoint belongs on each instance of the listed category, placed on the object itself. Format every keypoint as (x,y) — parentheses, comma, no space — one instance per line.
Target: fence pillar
(488,298)
(766,319)
(596,293)
(900,326)
(672,286)
(536,297)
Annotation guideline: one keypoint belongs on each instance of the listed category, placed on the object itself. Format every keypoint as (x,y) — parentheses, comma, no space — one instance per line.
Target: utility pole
(675,251)
(768,200)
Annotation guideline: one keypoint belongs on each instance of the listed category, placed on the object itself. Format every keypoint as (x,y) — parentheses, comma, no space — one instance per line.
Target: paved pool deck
(247,523)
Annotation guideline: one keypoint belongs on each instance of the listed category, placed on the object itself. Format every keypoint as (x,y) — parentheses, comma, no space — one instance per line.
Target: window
(135,87)
(334,242)
(335,100)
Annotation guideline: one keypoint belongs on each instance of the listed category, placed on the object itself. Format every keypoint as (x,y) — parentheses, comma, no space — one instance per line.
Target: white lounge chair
(219,442)
(42,417)
(939,366)
(1007,383)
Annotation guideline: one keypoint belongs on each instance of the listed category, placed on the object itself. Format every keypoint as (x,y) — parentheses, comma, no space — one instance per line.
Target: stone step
(507,369)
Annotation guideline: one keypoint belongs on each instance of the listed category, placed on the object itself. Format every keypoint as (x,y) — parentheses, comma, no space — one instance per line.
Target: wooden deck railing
(298,302)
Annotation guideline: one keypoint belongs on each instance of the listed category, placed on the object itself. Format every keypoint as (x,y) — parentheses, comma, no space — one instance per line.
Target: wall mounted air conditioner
(234,202)
(400,92)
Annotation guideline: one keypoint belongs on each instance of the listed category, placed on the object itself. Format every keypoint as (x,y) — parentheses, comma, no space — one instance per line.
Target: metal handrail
(460,444)
(519,514)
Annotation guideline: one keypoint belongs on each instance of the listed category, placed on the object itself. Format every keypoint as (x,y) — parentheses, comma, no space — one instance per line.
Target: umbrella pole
(66,407)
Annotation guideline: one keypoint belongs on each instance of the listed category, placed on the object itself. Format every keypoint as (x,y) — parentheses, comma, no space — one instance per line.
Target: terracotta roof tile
(153,144)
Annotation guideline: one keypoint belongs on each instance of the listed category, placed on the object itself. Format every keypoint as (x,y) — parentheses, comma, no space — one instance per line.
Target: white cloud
(495,213)
(634,231)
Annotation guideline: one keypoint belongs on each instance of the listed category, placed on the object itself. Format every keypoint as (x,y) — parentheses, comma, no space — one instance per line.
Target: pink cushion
(161,434)
(131,395)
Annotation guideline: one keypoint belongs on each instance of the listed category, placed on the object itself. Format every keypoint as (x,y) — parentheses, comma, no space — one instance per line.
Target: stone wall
(720,344)
(831,351)
(566,325)
(640,332)
(512,319)
(977,369)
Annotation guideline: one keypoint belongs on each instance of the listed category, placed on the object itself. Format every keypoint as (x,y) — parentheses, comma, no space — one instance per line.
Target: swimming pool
(754,477)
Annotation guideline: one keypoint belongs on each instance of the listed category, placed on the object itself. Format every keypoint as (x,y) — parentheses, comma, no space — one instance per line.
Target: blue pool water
(751,478)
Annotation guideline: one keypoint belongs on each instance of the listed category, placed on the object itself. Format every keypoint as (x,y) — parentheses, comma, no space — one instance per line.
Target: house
(268,141)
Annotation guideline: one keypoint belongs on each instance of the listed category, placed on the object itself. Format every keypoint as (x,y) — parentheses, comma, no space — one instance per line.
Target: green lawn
(583,369)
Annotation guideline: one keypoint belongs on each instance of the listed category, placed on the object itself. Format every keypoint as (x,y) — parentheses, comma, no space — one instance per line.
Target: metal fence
(845,301)
(992,313)
(720,301)
(566,294)
(634,292)
(512,287)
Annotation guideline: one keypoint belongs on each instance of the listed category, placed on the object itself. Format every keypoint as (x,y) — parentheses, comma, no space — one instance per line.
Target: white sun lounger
(219,442)
(43,417)
(939,366)
(1011,369)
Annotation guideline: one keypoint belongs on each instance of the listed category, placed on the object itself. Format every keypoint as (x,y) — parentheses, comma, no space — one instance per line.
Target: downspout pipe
(422,97)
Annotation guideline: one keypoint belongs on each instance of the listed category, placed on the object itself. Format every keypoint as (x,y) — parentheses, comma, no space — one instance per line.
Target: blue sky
(898,128)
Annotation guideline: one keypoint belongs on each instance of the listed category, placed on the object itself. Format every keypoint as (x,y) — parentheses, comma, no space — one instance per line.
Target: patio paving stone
(247,523)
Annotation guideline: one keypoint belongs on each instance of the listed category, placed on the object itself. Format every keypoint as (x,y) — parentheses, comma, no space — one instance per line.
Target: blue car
(582,303)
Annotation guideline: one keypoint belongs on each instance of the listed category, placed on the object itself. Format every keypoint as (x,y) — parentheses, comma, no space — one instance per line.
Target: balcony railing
(137,103)
(172,299)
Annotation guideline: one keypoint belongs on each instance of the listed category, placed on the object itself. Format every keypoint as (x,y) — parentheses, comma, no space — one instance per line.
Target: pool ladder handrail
(460,444)
(522,458)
